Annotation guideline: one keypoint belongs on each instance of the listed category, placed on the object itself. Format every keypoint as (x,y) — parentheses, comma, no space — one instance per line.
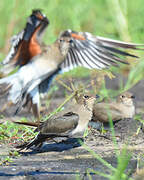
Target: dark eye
(86,96)
(71,41)
(122,96)
(61,40)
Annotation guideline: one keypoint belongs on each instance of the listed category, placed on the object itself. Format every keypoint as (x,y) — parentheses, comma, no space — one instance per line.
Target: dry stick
(72,86)
(63,84)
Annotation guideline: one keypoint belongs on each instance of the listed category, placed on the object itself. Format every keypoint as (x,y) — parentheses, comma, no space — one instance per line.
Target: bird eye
(61,40)
(133,97)
(122,96)
(86,96)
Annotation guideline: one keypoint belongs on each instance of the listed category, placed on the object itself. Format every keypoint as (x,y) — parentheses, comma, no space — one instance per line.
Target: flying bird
(71,124)
(71,49)
(122,108)
(26,44)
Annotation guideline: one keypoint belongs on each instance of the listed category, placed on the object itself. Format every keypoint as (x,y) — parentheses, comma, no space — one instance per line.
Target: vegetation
(117,19)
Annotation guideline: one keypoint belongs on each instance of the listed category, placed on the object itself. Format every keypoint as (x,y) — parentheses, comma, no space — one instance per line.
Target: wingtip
(26,123)
(21,146)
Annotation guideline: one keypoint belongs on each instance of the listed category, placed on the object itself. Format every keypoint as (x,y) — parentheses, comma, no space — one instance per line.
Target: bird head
(65,41)
(36,22)
(86,100)
(68,39)
(126,98)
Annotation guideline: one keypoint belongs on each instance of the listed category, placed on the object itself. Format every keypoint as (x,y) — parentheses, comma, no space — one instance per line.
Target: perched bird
(70,50)
(71,124)
(122,108)
(26,44)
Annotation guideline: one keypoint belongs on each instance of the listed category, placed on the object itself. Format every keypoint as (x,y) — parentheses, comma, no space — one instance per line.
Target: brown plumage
(122,108)
(71,124)
(71,49)
(139,174)
(26,44)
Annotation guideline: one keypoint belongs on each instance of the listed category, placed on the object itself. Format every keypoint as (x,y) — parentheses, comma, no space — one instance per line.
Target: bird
(122,108)
(71,49)
(70,125)
(26,44)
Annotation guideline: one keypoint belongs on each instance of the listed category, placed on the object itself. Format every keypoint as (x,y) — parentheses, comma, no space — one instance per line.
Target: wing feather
(97,52)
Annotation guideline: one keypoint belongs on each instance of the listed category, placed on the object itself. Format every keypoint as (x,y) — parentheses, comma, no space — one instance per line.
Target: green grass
(118,19)
(95,16)
(117,173)
(10,132)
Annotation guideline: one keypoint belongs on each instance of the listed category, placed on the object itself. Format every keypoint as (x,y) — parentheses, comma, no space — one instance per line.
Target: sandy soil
(68,159)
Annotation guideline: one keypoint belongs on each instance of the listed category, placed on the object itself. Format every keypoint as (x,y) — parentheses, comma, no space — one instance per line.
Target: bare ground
(68,159)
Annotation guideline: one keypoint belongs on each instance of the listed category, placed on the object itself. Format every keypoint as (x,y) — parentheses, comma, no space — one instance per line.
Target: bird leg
(34,107)
(36,112)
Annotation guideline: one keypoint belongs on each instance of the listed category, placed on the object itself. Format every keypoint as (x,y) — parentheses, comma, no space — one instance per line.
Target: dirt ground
(69,159)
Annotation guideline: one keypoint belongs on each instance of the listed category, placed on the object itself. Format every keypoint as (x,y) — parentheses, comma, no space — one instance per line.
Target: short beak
(133,97)
(97,96)
(46,20)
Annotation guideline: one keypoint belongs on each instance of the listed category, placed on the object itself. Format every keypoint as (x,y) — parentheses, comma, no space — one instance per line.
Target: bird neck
(55,53)
(34,46)
(84,118)
(85,114)
(126,102)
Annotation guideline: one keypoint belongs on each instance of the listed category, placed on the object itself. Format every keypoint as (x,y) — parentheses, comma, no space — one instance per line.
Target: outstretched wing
(15,41)
(25,44)
(95,52)
(92,52)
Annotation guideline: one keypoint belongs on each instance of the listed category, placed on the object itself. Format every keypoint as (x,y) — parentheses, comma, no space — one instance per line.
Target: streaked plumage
(70,50)
(71,124)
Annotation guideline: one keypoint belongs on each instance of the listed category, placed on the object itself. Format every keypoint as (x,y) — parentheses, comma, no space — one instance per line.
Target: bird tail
(12,87)
(6,69)
(37,142)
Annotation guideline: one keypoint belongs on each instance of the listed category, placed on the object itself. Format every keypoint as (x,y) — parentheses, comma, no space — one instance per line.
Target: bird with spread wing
(44,62)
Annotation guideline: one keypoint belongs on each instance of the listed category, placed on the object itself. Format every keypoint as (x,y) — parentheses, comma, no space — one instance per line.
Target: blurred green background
(117,19)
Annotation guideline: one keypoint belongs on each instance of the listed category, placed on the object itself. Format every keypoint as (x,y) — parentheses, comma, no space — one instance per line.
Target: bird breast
(128,111)
(84,117)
